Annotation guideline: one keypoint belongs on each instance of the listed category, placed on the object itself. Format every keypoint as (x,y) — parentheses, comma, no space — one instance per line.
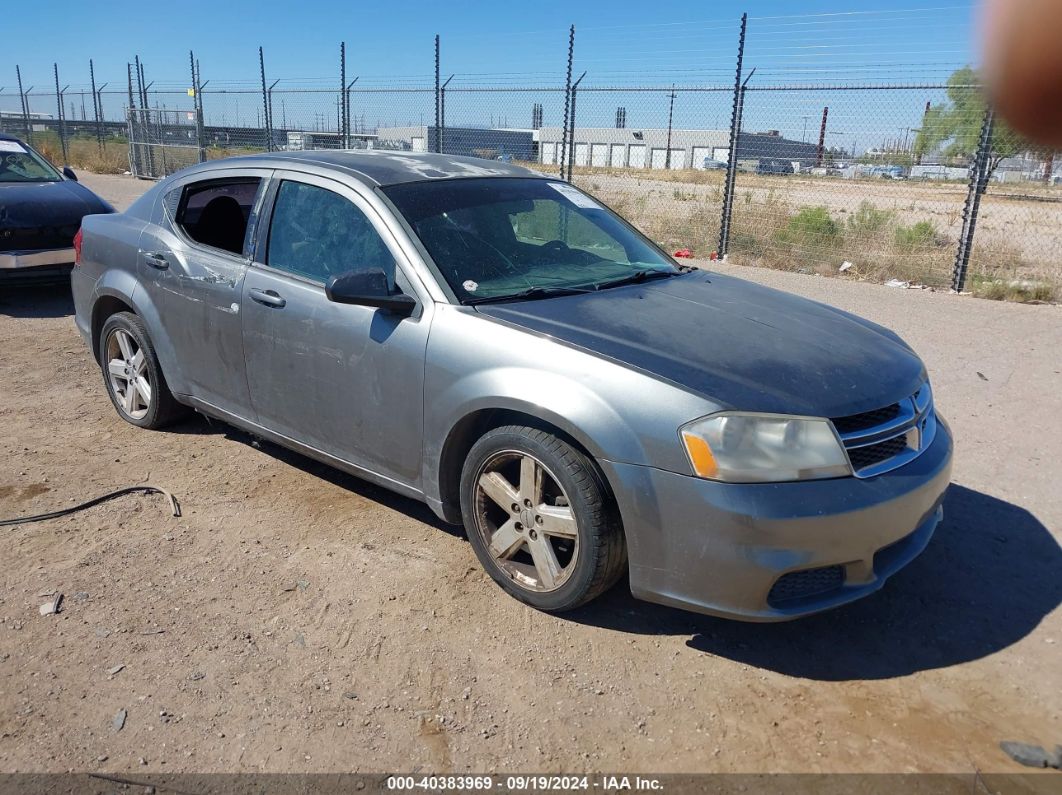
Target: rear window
(215,213)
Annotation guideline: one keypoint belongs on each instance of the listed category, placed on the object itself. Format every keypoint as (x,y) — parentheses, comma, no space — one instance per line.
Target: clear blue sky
(505,43)
(614,38)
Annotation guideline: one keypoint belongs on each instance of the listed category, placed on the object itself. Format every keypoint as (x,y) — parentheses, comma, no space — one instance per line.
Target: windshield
(20,164)
(499,238)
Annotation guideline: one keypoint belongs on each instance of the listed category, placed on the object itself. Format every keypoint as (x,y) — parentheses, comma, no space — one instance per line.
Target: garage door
(582,154)
(659,158)
(721,153)
(616,158)
(549,153)
(418,144)
(599,155)
(700,154)
(678,158)
(637,156)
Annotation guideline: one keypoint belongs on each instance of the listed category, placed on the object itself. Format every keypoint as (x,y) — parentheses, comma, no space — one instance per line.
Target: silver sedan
(502,346)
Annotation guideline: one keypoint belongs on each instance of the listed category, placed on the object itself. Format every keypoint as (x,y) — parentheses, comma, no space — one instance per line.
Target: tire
(571,515)
(124,333)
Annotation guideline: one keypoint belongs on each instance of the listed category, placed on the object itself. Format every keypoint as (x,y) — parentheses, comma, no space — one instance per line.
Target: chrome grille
(883,439)
(868,419)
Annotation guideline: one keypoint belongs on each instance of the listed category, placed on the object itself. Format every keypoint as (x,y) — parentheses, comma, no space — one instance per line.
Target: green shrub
(812,227)
(869,220)
(920,235)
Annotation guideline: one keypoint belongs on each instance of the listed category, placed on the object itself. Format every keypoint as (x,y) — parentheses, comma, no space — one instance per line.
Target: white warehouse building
(648,148)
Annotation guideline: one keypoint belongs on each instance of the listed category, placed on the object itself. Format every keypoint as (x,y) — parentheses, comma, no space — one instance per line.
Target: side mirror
(69,173)
(369,287)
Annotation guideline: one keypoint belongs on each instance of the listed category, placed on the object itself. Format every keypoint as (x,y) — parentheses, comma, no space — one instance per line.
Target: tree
(954,126)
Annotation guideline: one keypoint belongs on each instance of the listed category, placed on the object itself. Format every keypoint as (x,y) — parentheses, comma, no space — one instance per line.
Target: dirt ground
(297,619)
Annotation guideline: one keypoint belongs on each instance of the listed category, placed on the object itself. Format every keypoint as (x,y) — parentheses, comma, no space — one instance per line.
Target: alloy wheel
(526,521)
(128,373)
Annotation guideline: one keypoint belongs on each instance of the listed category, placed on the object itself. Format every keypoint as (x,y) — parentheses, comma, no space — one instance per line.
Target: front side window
(214,213)
(19,163)
(500,238)
(316,233)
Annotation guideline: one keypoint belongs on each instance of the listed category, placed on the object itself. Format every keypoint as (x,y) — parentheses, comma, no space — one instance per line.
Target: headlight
(762,448)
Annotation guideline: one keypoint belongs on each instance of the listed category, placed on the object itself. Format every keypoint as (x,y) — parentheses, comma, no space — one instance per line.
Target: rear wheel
(537,514)
(132,374)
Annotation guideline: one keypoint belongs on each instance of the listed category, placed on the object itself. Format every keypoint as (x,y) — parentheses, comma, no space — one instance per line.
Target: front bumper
(724,548)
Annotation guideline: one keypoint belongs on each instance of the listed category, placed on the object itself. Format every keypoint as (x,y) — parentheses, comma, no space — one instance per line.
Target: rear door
(347,380)
(192,264)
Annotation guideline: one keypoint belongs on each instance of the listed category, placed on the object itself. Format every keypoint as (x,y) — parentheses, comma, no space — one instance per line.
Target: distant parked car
(771,166)
(887,172)
(713,165)
(502,346)
(40,212)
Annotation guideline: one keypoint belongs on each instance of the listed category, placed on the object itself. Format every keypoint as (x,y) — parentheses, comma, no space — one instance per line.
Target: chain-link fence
(898,180)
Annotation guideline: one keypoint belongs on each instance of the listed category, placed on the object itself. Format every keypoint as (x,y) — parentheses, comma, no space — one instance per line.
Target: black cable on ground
(96,501)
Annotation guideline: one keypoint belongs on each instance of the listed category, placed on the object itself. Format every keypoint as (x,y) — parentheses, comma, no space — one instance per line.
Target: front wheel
(537,513)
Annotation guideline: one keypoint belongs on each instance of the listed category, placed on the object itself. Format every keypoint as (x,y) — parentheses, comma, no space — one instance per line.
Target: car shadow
(991,573)
(36,300)
(200,425)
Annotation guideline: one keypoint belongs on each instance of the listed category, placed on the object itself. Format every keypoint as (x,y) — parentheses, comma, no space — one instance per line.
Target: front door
(347,380)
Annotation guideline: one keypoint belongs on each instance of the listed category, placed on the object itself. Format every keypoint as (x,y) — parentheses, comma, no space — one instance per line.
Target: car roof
(377,167)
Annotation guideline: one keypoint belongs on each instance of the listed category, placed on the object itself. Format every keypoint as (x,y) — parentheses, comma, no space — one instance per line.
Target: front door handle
(156,259)
(267,297)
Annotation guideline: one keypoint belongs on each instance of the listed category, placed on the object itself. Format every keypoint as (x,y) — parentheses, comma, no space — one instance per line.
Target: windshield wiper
(529,294)
(638,277)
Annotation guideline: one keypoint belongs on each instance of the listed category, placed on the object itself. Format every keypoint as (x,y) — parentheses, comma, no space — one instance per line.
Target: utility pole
(670,115)
(822,136)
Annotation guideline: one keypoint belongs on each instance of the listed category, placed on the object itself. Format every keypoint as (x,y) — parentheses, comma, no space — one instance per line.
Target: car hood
(736,343)
(47,203)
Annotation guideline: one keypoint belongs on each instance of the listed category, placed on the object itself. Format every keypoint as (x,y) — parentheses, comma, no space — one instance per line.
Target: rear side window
(215,213)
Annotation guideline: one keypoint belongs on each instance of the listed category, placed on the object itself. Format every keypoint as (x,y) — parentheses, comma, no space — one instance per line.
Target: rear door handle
(267,297)
(156,259)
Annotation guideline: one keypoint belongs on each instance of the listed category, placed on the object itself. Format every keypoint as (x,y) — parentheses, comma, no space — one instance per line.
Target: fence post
(25,105)
(438,98)
(735,131)
(60,116)
(670,115)
(562,155)
(148,156)
(442,113)
(197,103)
(265,103)
(978,184)
(134,162)
(96,107)
(571,128)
